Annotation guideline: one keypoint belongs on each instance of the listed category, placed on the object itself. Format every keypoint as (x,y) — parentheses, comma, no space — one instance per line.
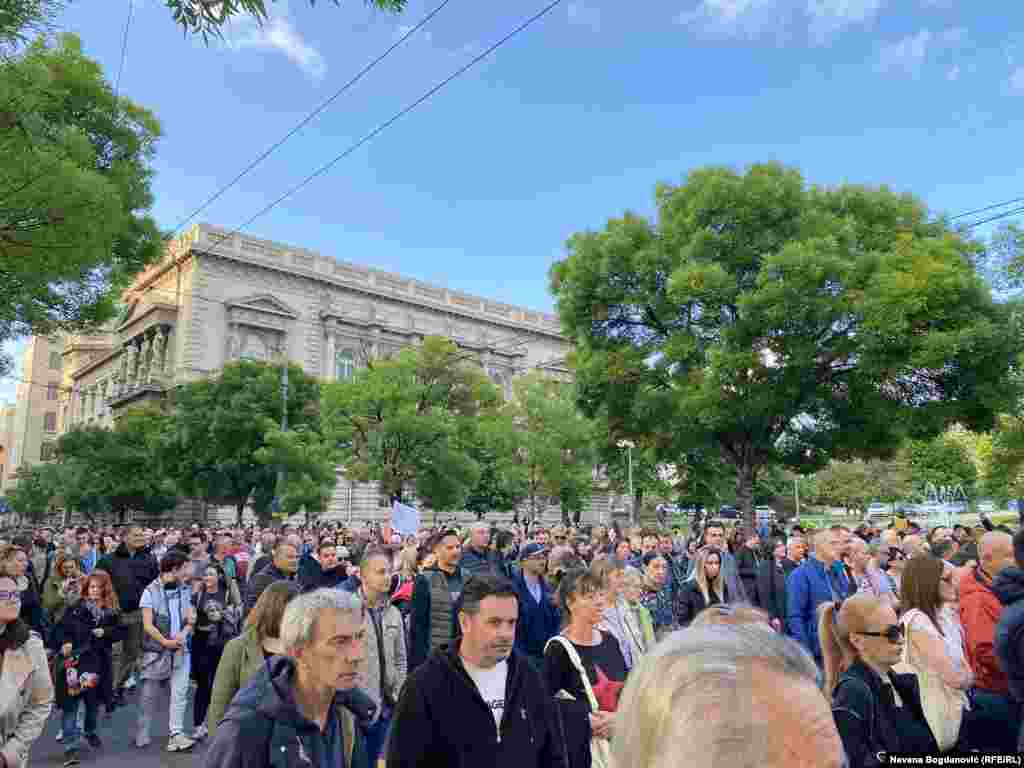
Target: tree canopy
(783,323)
(75,175)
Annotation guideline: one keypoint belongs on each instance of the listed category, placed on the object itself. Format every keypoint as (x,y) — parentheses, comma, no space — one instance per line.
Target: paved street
(118,737)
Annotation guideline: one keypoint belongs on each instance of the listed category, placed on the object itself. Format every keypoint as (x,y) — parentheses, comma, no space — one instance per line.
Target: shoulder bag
(600,748)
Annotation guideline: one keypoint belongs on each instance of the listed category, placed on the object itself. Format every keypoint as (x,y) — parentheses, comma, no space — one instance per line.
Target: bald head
(995,551)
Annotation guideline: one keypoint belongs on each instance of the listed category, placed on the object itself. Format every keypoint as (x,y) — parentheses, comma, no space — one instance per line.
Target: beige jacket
(395,654)
(26,699)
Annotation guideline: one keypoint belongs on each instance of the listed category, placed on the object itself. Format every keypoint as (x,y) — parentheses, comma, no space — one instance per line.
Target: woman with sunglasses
(875,709)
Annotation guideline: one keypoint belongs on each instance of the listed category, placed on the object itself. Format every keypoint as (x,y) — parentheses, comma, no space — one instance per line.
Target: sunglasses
(10,597)
(893,633)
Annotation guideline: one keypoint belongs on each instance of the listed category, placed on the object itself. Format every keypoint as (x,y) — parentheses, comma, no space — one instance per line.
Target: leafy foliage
(309,463)
(32,497)
(942,462)
(783,324)
(207,18)
(75,174)
(411,422)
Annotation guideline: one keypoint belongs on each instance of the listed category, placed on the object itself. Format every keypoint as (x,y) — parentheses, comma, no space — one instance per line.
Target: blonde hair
(834,630)
(690,700)
(701,576)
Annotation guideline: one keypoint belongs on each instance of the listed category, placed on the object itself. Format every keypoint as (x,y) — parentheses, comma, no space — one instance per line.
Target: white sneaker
(60,735)
(200,733)
(179,742)
(130,683)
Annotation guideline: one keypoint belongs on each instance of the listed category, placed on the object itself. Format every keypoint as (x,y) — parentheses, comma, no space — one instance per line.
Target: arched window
(344,365)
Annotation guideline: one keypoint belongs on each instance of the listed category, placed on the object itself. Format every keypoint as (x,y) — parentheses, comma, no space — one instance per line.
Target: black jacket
(258,584)
(747,563)
(94,654)
(690,601)
(131,574)
(263,727)
(315,577)
(1009,639)
(442,720)
(869,722)
(770,594)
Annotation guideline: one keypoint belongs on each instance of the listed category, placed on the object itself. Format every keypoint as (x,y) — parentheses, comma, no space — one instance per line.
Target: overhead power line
(393,119)
(309,117)
(1002,215)
(986,208)
(124,50)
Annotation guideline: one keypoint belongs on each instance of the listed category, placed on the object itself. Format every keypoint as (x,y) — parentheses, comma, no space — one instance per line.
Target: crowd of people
(566,646)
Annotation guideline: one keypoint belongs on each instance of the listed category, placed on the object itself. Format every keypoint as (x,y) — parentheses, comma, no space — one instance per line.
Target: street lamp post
(628,445)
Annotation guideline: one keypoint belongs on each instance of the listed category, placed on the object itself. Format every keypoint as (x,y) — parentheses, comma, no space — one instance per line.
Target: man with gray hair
(476,558)
(293,712)
(728,694)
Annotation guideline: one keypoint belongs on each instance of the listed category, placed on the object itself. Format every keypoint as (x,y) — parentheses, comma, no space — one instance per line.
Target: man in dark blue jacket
(539,618)
(813,583)
(1009,639)
(292,714)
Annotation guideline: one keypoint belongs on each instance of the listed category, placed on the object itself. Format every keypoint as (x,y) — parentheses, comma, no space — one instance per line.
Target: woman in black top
(876,710)
(705,588)
(583,597)
(218,610)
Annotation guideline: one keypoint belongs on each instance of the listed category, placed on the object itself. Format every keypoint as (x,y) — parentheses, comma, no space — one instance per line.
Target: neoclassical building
(218,296)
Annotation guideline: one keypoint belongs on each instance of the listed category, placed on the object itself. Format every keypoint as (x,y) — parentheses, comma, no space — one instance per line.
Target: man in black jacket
(283,568)
(477,702)
(770,595)
(132,568)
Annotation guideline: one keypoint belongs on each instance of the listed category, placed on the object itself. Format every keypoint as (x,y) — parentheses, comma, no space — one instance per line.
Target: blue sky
(572,122)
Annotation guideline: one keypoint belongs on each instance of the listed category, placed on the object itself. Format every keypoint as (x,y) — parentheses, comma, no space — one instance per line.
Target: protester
(1009,637)
(706,587)
(386,663)
(980,611)
(218,608)
(283,567)
(246,654)
(619,617)
(14,564)
(433,622)
(814,582)
(84,678)
(770,590)
(731,695)
(657,594)
(324,571)
(748,561)
(632,592)
(867,579)
(476,558)
(876,710)
(586,663)
(477,702)
(167,620)
(131,569)
(539,618)
(26,690)
(63,589)
(714,537)
(291,712)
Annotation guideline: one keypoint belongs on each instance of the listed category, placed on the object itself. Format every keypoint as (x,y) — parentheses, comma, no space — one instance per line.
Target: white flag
(405,519)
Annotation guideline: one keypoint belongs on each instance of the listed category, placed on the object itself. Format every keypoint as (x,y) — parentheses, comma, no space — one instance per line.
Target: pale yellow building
(7,413)
(37,408)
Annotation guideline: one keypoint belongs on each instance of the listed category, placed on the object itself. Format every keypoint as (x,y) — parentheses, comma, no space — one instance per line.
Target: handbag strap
(574,657)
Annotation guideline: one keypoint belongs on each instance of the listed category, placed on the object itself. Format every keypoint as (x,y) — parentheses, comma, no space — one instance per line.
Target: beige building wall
(7,413)
(36,420)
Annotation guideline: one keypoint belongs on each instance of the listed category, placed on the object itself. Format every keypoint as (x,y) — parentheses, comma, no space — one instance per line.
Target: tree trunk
(239,513)
(746,474)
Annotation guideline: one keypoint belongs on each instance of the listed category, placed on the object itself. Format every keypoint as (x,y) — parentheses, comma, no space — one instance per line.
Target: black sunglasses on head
(893,633)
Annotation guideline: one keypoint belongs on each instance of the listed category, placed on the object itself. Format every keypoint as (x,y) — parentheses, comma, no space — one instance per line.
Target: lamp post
(628,445)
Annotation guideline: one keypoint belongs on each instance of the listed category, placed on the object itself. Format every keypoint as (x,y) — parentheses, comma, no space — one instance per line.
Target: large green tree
(411,422)
(309,462)
(217,445)
(32,498)
(941,462)
(75,175)
(784,323)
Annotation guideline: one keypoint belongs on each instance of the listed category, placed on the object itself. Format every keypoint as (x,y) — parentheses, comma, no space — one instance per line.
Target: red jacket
(980,610)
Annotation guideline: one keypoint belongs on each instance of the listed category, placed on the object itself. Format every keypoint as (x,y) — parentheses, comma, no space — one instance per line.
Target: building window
(51,391)
(55,361)
(344,365)
(50,421)
(47,452)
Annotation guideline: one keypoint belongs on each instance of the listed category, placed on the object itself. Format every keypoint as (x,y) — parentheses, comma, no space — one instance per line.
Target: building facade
(35,423)
(7,414)
(217,297)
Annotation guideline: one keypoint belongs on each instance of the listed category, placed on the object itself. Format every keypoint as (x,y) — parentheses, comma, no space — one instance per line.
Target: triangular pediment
(264,302)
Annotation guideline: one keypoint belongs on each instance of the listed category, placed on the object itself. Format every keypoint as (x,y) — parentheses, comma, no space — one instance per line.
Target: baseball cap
(533,550)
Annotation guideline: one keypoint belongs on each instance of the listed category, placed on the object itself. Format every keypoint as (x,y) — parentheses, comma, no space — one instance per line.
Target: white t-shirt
(491,684)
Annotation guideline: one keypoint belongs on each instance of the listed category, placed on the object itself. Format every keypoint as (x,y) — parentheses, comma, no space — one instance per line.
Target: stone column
(160,350)
(331,353)
(146,361)
(132,353)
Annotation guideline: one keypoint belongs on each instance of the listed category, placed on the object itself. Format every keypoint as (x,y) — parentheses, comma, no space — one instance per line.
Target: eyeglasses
(893,633)
(10,597)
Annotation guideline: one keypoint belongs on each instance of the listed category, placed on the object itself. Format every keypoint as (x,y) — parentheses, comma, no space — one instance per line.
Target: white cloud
(778,19)
(279,34)
(583,15)
(906,56)
(1017,79)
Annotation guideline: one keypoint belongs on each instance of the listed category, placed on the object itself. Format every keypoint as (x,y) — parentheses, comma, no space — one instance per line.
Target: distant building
(216,297)
(7,413)
(32,434)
